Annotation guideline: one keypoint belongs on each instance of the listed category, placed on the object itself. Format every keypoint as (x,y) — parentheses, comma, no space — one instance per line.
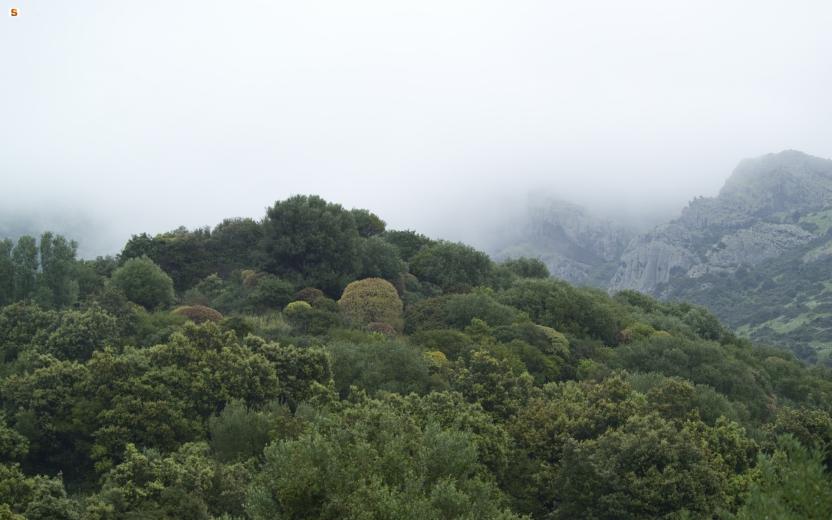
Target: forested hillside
(315,364)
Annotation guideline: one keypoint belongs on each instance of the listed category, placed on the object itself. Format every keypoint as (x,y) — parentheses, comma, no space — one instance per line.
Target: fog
(438,115)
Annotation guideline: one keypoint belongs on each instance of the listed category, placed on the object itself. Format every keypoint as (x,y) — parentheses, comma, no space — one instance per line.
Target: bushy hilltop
(316,365)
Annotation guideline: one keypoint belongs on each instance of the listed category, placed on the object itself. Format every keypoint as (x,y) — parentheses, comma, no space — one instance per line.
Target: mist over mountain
(758,254)
(575,244)
(94,235)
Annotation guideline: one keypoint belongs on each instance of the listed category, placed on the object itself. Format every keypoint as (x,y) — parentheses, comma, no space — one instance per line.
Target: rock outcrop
(765,209)
(575,245)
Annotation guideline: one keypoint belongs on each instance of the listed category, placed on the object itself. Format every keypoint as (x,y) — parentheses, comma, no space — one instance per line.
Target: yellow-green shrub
(371,300)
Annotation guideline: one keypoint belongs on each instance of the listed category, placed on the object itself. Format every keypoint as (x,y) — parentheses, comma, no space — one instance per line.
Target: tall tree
(310,240)
(25,261)
(57,259)
(6,272)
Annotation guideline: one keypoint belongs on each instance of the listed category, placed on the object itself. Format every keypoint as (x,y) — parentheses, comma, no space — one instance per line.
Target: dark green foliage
(57,262)
(186,484)
(584,312)
(144,282)
(34,498)
(269,292)
(527,268)
(390,366)
(306,319)
(452,343)
(811,427)
(304,373)
(239,433)
(453,267)
(498,386)
(7,294)
(700,362)
(509,393)
(390,465)
(21,326)
(13,446)
(368,224)
(233,245)
(78,333)
(792,484)
(379,259)
(457,311)
(25,262)
(408,243)
(46,272)
(309,239)
(648,468)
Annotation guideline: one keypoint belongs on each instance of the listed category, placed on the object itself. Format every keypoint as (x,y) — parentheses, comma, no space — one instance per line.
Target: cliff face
(767,207)
(575,245)
(759,254)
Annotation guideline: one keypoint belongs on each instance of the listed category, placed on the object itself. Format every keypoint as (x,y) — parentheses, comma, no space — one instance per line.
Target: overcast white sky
(153,114)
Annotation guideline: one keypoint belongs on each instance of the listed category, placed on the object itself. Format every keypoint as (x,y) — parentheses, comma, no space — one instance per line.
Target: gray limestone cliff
(770,205)
(575,245)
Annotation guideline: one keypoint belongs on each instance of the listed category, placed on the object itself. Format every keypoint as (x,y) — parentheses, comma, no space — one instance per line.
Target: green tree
(57,261)
(379,259)
(25,261)
(373,461)
(310,240)
(79,333)
(144,282)
(7,279)
(389,366)
(527,267)
(407,242)
(494,383)
(186,484)
(557,304)
(451,266)
(791,484)
(367,223)
(234,244)
(649,468)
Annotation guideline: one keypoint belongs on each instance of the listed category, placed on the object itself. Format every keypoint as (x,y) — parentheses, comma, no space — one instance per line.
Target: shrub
(453,267)
(198,313)
(382,328)
(371,300)
(308,320)
(269,292)
(144,282)
(527,267)
(309,295)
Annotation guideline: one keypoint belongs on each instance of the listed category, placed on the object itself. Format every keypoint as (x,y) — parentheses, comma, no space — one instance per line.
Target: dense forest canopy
(314,364)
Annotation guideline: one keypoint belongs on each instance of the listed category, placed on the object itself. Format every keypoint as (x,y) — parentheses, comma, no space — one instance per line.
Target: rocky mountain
(575,245)
(759,254)
(769,206)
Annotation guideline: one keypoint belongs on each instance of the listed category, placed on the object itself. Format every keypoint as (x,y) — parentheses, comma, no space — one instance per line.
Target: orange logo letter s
(13,12)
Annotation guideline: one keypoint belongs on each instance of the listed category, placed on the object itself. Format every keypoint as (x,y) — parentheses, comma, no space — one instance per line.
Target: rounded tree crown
(372,300)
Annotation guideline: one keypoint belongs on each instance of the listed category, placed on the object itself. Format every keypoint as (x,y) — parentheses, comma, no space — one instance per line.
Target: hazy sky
(155,114)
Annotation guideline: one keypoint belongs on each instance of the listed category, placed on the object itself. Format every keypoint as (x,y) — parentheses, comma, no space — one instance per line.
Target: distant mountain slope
(770,206)
(759,254)
(785,300)
(575,245)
